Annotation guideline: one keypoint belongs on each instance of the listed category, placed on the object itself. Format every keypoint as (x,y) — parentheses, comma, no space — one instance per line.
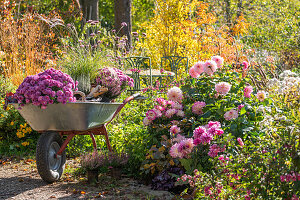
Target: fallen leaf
(82,192)
(52,197)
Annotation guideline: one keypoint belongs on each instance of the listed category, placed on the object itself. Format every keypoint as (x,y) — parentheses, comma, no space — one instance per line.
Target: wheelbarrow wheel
(49,165)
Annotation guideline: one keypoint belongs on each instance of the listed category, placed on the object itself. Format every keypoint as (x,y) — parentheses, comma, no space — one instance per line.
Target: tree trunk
(123,14)
(239,8)
(89,10)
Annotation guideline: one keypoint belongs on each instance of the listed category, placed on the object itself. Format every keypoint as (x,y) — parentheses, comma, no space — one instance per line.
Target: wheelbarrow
(78,118)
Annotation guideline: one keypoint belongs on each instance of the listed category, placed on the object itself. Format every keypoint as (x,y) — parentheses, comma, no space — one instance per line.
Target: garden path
(20,180)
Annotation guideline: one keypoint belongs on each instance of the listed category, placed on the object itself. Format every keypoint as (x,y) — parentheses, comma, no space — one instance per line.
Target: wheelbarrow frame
(50,172)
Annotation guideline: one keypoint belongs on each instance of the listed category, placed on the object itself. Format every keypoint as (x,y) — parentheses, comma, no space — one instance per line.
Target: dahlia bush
(233,141)
(115,80)
(48,87)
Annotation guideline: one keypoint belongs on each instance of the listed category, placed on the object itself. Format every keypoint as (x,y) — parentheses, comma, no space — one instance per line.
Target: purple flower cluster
(48,87)
(115,80)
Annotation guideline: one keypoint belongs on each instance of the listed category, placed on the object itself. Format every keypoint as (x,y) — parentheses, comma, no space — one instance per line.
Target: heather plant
(92,160)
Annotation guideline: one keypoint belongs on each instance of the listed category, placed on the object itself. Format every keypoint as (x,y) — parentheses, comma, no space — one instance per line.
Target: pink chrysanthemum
(147,121)
(219,60)
(175,94)
(241,106)
(245,65)
(210,67)
(175,129)
(199,67)
(197,107)
(206,138)
(213,150)
(199,131)
(247,91)
(222,88)
(261,95)
(169,113)
(231,114)
(151,114)
(215,131)
(174,151)
(193,72)
(240,141)
(180,113)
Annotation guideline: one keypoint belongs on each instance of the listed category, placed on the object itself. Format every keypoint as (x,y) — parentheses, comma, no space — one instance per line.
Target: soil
(19,179)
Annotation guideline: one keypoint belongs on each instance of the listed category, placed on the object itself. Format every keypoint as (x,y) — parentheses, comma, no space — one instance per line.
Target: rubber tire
(42,157)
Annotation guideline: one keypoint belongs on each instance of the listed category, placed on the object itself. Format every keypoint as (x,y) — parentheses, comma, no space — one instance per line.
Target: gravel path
(20,180)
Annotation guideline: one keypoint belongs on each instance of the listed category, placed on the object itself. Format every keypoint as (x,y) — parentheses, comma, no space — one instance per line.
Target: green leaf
(243,111)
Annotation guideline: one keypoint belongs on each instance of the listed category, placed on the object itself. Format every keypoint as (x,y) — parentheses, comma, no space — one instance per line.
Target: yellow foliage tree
(187,28)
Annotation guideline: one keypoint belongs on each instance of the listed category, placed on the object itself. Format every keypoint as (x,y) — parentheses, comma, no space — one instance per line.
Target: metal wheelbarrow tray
(78,116)
(71,119)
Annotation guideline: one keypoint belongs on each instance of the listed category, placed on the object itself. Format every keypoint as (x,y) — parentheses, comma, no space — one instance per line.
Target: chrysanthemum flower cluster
(115,80)
(202,135)
(48,87)
(222,88)
(231,114)
(197,107)
(208,67)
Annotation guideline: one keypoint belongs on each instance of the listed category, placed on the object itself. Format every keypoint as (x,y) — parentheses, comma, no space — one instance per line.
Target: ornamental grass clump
(48,87)
(115,80)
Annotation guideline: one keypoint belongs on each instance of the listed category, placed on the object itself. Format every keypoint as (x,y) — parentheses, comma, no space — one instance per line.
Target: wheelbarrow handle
(128,99)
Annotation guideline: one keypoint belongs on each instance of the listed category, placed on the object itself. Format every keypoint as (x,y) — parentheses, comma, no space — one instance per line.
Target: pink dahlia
(178,138)
(175,94)
(222,88)
(174,151)
(199,67)
(180,113)
(210,67)
(231,114)
(206,137)
(247,91)
(177,106)
(169,113)
(197,107)
(213,150)
(199,131)
(219,60)
(240,141)
(151,114)
(158,112)
(261,95)
(147,121)
(245,65)
(162,102)
(175,129)
(213,123)
(193,72)
(185,147)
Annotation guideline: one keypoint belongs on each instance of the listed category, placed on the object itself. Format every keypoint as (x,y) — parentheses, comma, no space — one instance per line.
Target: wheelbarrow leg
(104,132)
(94,141)
(66,142)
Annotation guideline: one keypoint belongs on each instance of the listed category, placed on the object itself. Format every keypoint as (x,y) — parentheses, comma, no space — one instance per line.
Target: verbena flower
(175,94)
(222,88)
(219,60)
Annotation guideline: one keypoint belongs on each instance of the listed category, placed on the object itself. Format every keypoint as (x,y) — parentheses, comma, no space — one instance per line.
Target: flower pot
(115,172)
(92,176)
